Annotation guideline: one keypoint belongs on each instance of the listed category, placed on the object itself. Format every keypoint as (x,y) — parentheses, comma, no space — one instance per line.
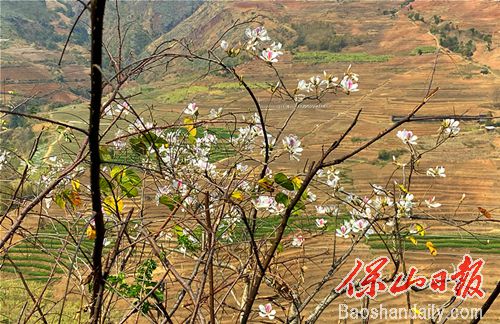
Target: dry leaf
(485,213)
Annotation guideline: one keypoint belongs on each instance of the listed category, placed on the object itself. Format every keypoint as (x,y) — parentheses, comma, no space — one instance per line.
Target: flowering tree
(231,213)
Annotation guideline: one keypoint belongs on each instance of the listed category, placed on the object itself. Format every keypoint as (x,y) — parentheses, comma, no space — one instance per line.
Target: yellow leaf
(266,184)
(75,184)
(110,206)
(91,233)
(432,249)
(190,126)
(420,229)
(413,240)
(297,182)
(237,195)
(403,189)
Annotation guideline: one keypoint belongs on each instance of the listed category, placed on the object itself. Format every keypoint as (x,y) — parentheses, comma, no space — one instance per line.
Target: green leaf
(167,201)
(129,182)
(106,187)
(115,172)
(60,201)
(282,198)
(299,207)
(283,181)
(104,153)
(138,145)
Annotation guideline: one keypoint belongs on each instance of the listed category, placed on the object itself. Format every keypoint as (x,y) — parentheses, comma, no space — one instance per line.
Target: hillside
(34,34)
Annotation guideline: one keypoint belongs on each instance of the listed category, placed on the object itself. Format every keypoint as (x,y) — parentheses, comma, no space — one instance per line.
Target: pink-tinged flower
(123,108)
(297,241)
(267,311)
(269,55)
(259,33)
(224,45)
(343,231)
(407,137)
(292,145)
(177,184)
(321,222)
(191,109)
(431,203)
(359,225)
(349,84)
(263,202)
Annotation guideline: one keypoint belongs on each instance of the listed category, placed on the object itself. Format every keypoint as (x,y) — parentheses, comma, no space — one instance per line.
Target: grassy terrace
(419,50)
(326,57)
(480,244)
(306,224)
(36,258)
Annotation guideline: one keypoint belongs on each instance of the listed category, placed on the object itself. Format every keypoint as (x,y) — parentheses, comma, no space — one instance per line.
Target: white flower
(407,137)
(333,178)
(203,164)
(242,168)
(450,127)
(215,113)
(304,86)
(323,210)
(439,171)
(297,241)
(330,79)
(224,45)
(263,202)
(3,158)
(277,209)
(267,311)
(321,222)
(122,109)
(292,145)
(349,84)
(108,111)
(311,197)
(269,55)
(140,125)
(119,109)
(276,47)
(405,205)
(431,203)
(191,109)
(317,82)
(48,202)
(343,231)
(119,145)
